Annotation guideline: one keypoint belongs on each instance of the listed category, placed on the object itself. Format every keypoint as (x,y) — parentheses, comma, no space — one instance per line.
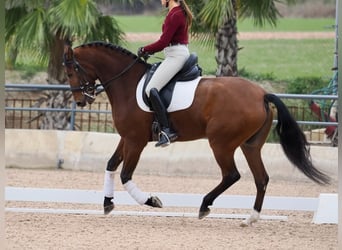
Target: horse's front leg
(132,151)
(108,186)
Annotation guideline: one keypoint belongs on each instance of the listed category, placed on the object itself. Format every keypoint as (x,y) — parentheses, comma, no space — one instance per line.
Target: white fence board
(168,199)
(323,213)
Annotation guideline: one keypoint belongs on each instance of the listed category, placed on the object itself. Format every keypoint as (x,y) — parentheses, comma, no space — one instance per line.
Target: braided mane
(112,47)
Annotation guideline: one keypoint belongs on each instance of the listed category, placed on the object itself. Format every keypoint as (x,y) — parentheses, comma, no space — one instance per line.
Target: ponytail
(187,11)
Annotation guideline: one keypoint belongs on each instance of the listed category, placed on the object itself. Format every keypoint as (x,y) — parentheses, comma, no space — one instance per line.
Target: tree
(218,18)
(39,28)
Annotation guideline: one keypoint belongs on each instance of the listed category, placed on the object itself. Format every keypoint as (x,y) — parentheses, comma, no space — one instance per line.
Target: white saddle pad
(182,98)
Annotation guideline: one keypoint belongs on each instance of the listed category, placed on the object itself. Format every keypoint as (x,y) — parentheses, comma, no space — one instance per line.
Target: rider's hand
(142,53)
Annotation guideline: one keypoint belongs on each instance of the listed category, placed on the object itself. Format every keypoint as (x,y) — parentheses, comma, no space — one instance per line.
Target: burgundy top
(175,31)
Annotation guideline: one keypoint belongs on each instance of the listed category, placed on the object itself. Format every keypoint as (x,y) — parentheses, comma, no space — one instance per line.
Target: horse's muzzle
(86,99)
(81,104)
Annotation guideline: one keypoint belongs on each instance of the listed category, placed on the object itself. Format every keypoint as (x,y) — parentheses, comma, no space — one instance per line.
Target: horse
(230,112)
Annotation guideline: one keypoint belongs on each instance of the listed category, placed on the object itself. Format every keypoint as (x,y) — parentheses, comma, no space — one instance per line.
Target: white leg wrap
(135,192)
(254,217)
(108,186)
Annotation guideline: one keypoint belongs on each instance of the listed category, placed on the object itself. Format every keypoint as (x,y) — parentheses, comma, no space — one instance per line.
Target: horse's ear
(68,52)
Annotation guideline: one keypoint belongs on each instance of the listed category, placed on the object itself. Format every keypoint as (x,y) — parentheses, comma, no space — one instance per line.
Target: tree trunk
(56,99)
(56,73)
(11,57)
(57,120)
(227,48)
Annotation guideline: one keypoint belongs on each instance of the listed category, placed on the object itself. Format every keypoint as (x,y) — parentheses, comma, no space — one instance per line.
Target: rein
(85,85)
(106,83)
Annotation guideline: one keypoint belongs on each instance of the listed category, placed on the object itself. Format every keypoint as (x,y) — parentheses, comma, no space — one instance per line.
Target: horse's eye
(70,75)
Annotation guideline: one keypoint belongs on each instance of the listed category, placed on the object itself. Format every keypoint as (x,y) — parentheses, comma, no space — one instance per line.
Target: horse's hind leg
(108,186)
(261,178)
(252,151)
(230,175)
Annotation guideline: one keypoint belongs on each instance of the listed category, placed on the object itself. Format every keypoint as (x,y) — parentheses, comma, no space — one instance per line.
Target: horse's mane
(112,47)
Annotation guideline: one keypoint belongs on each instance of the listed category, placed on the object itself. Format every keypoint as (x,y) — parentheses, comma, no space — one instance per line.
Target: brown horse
(230,112)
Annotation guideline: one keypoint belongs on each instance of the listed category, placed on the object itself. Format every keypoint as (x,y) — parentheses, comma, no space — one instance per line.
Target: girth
(190,71)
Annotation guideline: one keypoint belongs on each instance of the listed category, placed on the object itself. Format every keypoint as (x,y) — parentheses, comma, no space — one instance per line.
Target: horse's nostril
(81,104)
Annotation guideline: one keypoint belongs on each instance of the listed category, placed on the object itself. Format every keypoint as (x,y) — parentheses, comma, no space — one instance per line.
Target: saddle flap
(190,71)
(182,95)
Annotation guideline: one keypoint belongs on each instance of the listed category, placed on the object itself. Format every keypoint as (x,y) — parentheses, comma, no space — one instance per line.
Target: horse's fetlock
(124,178)
(207,201)
(108,201)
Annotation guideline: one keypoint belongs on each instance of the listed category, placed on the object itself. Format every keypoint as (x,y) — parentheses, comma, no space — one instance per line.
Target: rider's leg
(167,134)
(175,57)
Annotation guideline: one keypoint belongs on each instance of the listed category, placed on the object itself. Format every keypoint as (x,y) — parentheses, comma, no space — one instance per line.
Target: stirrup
(166,139)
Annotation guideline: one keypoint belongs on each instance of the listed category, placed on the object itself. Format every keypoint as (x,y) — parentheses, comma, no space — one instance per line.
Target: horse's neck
(125,85)
(117,70)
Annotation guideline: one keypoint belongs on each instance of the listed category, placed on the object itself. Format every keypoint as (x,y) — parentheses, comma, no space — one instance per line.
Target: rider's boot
(167,135)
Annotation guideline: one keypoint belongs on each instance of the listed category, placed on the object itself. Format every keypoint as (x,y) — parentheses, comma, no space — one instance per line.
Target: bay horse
(230,112)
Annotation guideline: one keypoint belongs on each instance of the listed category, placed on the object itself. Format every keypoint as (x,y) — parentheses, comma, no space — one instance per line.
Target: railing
(97,117)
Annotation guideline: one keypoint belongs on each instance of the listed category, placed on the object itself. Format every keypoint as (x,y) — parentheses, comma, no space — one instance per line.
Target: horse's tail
(294,143)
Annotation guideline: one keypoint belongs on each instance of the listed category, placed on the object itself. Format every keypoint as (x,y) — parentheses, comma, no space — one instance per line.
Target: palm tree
(218,18)
(40,28)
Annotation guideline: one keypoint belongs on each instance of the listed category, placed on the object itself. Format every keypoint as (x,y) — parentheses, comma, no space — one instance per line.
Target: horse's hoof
(108,205)
(204,213)
(244,224)
(108,209)
(254,217)
(154,201)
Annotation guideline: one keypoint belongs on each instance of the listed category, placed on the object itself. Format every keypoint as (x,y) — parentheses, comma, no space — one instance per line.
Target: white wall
(90,151)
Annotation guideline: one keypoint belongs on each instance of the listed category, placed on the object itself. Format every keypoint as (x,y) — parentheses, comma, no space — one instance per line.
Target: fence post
(72,116)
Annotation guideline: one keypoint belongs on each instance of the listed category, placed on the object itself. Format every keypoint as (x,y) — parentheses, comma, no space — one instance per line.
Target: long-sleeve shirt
(174,31)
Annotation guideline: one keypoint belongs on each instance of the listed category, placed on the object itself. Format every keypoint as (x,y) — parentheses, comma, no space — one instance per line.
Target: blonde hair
(187,11)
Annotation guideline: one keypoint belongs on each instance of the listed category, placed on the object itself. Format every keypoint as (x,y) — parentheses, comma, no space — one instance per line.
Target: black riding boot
(167,135)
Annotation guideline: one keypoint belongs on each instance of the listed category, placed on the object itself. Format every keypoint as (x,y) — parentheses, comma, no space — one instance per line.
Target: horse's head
(82,83)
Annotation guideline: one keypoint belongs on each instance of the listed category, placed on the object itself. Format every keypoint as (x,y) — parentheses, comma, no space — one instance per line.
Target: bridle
(89,88)
(86,87)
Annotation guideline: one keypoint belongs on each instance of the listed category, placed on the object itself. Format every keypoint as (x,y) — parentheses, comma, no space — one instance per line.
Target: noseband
(87,87)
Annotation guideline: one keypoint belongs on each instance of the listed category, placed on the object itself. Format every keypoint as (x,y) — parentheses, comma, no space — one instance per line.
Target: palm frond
(70,17)
(27,4)
(31,36)
(32,29)
(205,39)
(106,29)
(214,13)
(12,17)
(261,11)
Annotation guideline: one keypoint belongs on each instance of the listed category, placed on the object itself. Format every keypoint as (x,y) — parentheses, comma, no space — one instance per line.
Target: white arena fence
(15,87)
(324,207)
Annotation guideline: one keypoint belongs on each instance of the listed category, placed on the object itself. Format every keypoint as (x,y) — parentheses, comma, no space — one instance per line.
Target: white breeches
(175,58)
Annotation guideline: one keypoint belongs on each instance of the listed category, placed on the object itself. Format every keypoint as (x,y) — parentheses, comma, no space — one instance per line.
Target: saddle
(190,71)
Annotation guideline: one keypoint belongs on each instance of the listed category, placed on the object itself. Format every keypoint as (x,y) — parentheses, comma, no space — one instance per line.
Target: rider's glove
(142,53)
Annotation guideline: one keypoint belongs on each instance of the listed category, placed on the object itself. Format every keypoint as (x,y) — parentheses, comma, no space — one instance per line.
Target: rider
(174,41)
